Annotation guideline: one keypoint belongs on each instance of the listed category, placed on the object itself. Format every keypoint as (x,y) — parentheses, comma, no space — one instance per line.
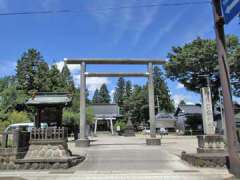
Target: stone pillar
(111,124)
(209,142)
(95,127)
(151,101)
(83,140)
(207,112)
(152,140)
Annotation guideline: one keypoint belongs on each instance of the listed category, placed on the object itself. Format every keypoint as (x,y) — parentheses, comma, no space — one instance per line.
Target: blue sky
(125,33)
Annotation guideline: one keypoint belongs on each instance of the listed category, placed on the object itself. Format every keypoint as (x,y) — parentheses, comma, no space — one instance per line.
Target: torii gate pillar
(83,140)
(152,140)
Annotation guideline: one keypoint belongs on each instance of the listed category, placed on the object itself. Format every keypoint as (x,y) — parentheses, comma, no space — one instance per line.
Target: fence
(48,134)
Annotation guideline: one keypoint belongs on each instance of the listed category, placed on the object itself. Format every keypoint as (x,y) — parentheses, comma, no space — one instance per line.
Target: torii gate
(83,139)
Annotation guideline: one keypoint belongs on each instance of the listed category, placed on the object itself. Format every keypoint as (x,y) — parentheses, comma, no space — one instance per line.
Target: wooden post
(232,141)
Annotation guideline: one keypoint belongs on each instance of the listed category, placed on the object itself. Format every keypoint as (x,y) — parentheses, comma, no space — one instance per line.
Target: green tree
(75,101)
(14,117)
(32,71)
(55,81)
(67,79)
(10,97)
(128,89)
(119,92)
(162,93)
(138,105)
(96,97)
(18,117)
(126,97)
(188,63)
(6,82)
(234,57)
(182,102)
(104,94)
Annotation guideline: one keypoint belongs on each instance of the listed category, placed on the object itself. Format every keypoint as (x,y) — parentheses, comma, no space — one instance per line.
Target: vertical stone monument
(207,112)
(209,142)
(211,147)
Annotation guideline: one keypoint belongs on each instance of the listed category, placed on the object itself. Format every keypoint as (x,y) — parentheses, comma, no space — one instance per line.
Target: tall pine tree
(119,93)
(96,97)
(128,89)
(32,72)
(161,91)
(67,79)
(104,94)
(55,83)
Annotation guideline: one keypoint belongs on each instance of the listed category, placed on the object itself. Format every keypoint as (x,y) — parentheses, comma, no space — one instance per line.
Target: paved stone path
(128,153)
(129,158)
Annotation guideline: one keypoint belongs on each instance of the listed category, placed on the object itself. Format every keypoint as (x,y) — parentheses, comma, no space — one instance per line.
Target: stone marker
(207,112)
(211,147)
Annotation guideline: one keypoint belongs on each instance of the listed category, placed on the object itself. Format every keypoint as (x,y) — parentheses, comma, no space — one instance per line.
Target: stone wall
(205,159)
(8,157)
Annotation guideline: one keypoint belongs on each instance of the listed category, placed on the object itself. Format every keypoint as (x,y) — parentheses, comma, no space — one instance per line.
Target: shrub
(18,117)
(12,118)
(70,117)
(90,116)
(120,123)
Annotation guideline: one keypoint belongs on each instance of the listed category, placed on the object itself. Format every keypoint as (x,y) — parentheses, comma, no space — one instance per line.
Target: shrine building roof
(50,99)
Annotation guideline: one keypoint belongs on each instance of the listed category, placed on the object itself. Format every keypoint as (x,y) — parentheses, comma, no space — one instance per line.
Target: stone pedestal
(210,144)
(153,141)
(210,152)
(82,142)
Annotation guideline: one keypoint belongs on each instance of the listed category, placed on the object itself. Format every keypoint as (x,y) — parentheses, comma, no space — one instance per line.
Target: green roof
(50,99)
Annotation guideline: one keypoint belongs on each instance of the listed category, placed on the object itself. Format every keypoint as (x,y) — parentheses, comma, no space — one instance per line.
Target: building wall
(166,124)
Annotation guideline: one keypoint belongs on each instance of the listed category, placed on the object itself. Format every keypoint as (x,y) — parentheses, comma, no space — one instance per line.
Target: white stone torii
(83,139)
(99,119)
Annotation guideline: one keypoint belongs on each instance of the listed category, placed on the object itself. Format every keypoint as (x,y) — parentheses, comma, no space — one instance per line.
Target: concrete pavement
(112,157)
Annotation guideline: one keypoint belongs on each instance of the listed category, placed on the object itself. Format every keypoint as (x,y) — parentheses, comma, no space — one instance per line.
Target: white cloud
(73,68)
(148,19)
(123,19)
(180,86)
(94,83)
(166,29)
(112,94)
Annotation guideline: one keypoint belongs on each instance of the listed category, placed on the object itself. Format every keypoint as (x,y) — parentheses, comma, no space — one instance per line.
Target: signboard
(207,112)
(230,8)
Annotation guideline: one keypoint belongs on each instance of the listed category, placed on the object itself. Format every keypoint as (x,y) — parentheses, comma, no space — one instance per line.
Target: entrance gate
(83,139)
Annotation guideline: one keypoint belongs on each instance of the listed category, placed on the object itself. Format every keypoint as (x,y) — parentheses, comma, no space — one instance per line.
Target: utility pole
(234,161)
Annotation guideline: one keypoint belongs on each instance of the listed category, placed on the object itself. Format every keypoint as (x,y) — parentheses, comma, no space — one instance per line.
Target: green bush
(73,118)
(70,117)
(18,117)
(13,118)
(90,116)
(120,123)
